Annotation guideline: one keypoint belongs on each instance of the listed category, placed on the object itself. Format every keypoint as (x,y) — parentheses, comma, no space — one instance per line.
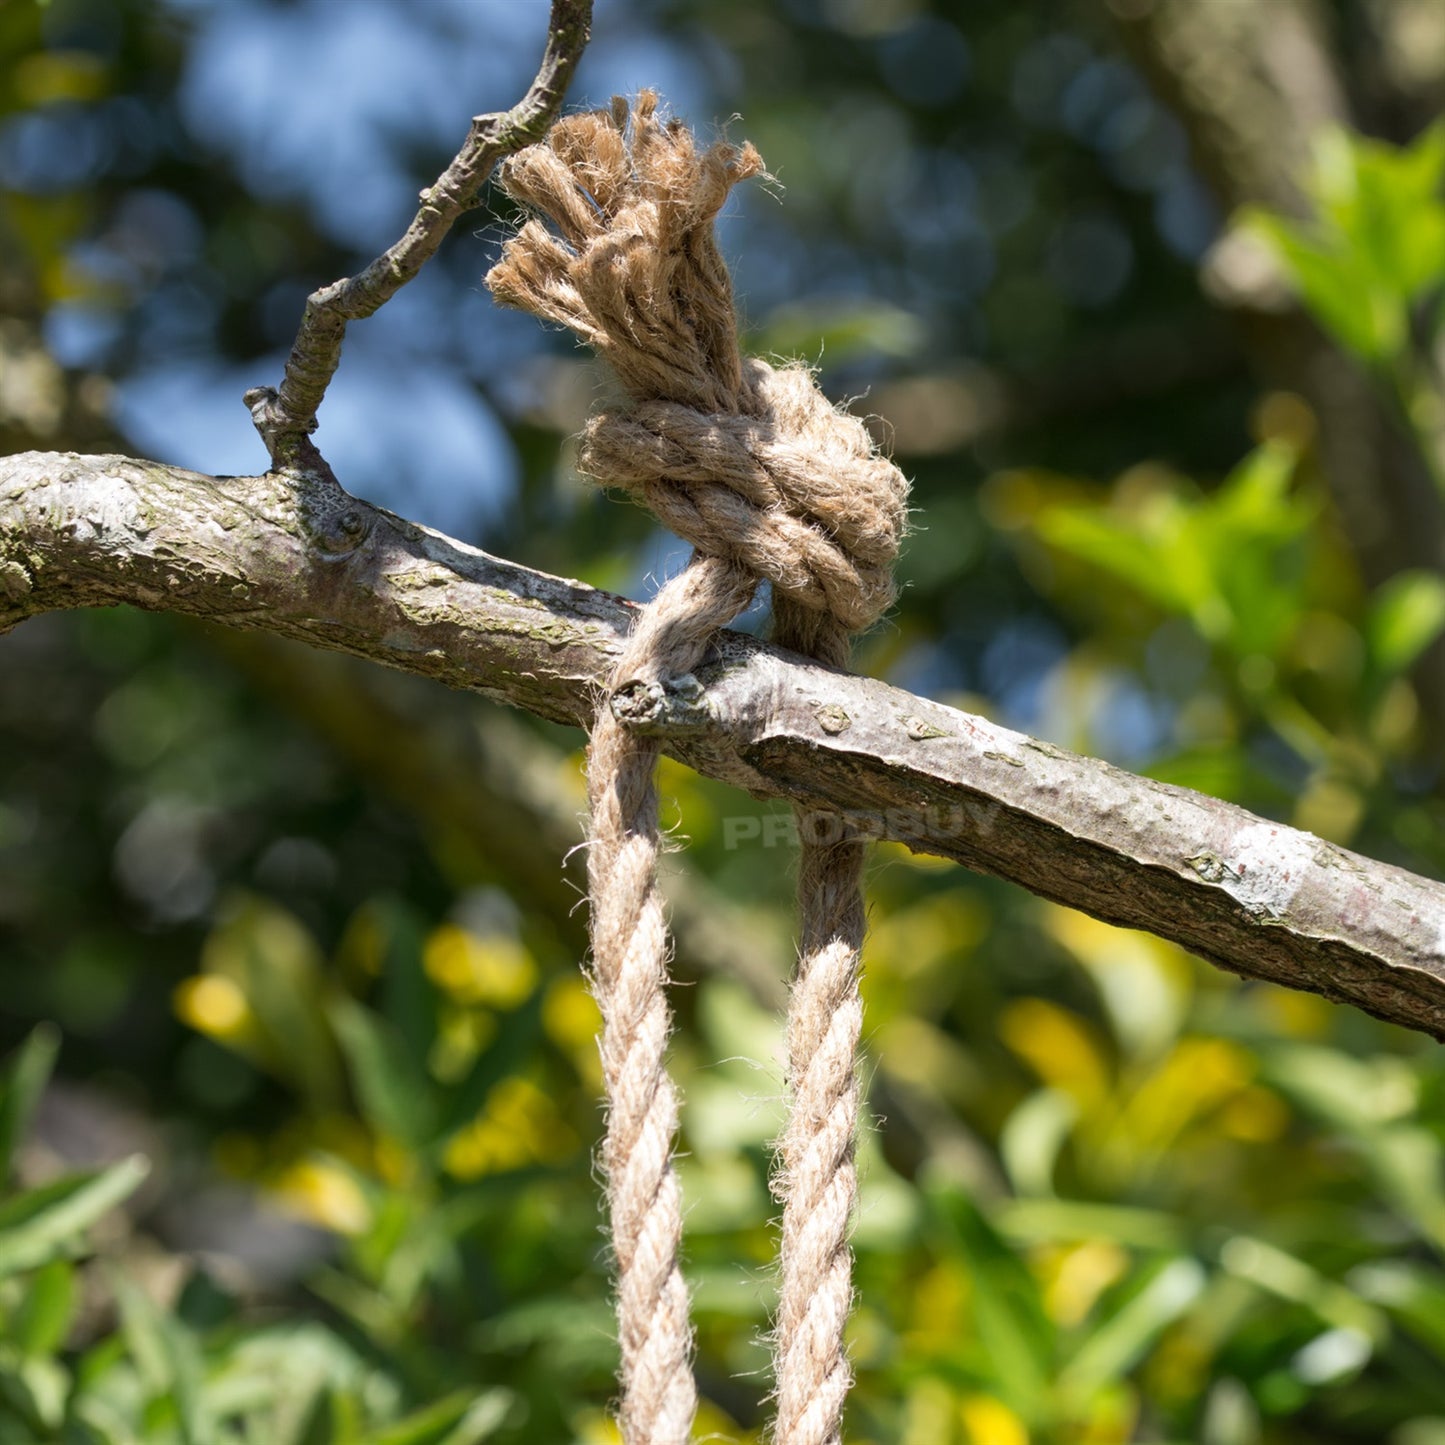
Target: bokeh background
(1146,294)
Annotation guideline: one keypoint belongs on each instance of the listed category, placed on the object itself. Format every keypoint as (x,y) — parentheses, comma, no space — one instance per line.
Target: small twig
(284,418)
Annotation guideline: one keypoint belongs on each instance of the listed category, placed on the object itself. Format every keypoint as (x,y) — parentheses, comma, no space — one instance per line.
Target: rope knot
(744,461)
(755,468)
(791,489)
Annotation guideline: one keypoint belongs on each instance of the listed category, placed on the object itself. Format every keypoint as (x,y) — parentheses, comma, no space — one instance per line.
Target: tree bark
(294,555)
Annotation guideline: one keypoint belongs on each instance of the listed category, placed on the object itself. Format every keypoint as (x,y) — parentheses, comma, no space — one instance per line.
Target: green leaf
(577,1337)
(375,1316)
(318,1414)
(1133,550)
(168,1357)
(1337,288)
(408,997)
(1355,1095)
(485,1416)
(1423,1430)
(275,962)
(100,1422)
(1030,1141)
(1030,1220)
(1406,615)
(1410,1292)
(1283,1274)
(1013,1328)
(1373,1104)
(290,1359)
(47,1223)
(43,1319)
(102,1362)
(461,1418)
(36,1389)
(26,1073)
(1254,496)
(1234,562)
(313,1422)
(1408,1164)
(1383,203)
(1377,245)
(1231,1416)
(1252,534)
(1160,1296)
(505,1055)
(392,1088)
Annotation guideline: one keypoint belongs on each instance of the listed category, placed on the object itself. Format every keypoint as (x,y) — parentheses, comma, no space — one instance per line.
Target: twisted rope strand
(629,966)
(766,480)
(629,952)
(817,1181)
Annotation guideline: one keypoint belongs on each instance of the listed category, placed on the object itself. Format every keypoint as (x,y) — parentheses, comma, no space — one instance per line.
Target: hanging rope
(754,468)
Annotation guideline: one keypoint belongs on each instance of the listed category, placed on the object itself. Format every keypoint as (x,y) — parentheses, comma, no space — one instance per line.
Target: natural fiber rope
(766,480)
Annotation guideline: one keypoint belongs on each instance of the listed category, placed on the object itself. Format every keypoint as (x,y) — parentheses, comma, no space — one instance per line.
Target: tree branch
(286,418)
(294,555)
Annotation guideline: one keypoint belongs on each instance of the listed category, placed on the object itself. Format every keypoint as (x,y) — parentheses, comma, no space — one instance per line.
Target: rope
(752,466)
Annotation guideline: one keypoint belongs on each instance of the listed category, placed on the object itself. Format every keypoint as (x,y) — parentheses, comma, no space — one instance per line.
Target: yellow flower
(325,1194)
(494,970)
(214,1005)
(1078,1275)
(1059,1046)
(991,1422)
(1197,1078)
(517,1126)
(572,1020)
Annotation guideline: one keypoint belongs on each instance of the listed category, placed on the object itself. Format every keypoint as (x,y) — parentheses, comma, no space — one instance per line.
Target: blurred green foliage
(1368,266)
(174,1375)
(1371,255)
(1109,1196)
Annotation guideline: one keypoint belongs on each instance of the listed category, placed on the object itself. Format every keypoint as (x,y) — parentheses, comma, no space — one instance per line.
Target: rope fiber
(753,467)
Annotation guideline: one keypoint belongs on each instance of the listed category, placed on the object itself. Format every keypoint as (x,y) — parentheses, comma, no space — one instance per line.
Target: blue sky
(320,102)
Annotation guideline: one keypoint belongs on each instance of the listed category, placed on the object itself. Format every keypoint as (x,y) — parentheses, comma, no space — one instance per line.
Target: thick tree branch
(285,417)
(298,557)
